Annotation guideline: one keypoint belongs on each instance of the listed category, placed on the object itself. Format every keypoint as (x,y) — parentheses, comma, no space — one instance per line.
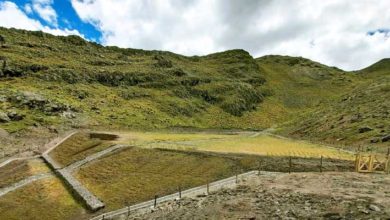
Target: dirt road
(287,196)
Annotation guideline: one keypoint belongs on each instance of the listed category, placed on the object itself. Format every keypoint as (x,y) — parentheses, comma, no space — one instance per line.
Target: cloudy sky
(350,34)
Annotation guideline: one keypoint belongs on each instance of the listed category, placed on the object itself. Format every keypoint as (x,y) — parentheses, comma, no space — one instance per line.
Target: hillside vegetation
(53,83)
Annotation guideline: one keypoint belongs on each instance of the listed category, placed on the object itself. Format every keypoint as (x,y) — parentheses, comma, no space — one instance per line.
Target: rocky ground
(331,195)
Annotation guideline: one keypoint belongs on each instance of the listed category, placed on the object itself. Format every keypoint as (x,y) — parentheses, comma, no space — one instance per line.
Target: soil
(330,195)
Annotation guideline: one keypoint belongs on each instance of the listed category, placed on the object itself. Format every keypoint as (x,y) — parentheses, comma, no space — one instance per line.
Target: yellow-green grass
(21,169)
(248,143)
(41,200)
(272,146)
(138,174)
(77,147)
(142,138)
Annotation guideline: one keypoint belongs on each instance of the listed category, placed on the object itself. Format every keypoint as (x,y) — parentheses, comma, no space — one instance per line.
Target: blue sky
(67,18)
(349,34)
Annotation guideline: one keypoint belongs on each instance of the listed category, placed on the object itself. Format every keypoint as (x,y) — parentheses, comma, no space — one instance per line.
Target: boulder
(4,117)
(364,129)
(14,116)
(32,100)
(374,208)
(386,138)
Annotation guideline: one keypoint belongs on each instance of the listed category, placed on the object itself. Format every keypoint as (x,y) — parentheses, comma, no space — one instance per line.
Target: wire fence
(286,165)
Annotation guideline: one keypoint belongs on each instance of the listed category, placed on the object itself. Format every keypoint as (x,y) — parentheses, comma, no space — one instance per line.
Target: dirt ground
(331,195)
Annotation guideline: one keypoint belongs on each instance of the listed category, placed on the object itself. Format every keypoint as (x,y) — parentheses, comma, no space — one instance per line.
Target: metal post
(289,164)
(236,177)
(259,169)
(155,201)
(321,165)
(208,188)
(179,192)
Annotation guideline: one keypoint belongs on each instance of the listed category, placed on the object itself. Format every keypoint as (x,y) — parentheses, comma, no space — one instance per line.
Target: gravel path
(94,156)
(24,182)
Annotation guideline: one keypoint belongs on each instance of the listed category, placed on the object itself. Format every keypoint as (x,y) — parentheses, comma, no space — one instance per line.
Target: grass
(19,170)
(77,147)
(247,143)
(41,200)
(137,174)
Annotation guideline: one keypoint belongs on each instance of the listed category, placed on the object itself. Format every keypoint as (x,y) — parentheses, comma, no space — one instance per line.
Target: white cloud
(333,32)
(28,9)
(12,16)
(45,11)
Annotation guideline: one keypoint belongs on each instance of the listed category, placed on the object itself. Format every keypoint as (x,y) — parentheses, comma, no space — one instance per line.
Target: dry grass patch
(273,146)
(77,147)
(247,143)
(142,138)
(20,169)
(42,200)
(137,174)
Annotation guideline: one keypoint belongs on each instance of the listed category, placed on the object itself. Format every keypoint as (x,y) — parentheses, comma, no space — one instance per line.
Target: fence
(205,189)
(293,165)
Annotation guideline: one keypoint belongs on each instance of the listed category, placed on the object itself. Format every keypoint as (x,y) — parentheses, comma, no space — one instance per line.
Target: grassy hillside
(47,80)
(49,84)
(359,117)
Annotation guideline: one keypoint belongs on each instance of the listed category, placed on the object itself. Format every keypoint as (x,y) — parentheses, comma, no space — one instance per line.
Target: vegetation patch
(137,174)
(20,169)
(41,200)
(79,146)
(241,143)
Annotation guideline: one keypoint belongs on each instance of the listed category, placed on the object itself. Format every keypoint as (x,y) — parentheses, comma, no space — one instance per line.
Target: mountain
(358,117)
(50,84)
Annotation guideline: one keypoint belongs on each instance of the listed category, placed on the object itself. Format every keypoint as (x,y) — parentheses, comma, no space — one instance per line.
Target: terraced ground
(136,173)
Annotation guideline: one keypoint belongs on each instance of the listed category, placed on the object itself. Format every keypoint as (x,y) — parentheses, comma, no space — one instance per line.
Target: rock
(53,129)
(69,115)
(3,98)
(31,99)
(14,116)
(364,129)
(375,208)
(374,140)
(356,118)
(4,117)
(386,138)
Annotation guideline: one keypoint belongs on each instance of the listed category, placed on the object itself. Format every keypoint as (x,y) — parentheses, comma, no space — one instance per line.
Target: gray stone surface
(92,202)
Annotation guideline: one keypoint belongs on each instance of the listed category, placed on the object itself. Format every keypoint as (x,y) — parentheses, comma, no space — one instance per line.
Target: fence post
(103,217)
(179,192)
(155,201)
(259,171)
(128,212)
(236,177)
(289,164)
(208,187)
(321,165)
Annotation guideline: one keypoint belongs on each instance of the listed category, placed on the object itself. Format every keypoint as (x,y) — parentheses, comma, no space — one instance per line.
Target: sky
(349,34)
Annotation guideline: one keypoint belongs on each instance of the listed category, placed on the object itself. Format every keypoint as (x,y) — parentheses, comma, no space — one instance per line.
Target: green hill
(53,83)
